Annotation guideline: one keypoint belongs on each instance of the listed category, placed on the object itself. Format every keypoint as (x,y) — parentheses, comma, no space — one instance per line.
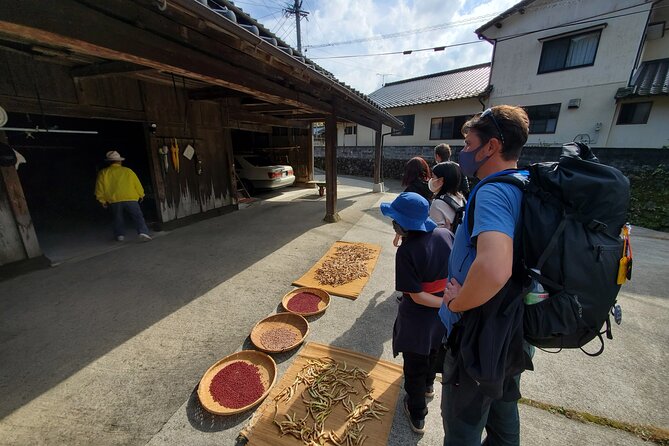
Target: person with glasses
(481,309)
(421,272)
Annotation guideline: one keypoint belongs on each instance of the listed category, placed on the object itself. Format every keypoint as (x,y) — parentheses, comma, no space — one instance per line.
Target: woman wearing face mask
(445,184)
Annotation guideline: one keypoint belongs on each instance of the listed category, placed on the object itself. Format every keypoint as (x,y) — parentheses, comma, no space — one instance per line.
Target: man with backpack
(485,349)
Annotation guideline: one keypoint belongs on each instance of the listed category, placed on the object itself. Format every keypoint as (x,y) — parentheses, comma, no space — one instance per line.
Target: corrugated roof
(650,79)
(468,82)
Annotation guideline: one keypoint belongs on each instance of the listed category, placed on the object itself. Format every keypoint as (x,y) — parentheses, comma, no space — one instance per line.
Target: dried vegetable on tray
(347,264)
(328,384)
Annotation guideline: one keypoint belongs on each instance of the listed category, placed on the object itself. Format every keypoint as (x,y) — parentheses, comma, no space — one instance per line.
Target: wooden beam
(213,93)
(331,215)
(378,159)
(125,42)
(19,206)
(241,115)
(272,108)
(106,69)
(28,105)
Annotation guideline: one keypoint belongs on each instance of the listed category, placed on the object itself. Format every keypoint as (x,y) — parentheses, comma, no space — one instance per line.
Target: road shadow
(373,327)
(62,319)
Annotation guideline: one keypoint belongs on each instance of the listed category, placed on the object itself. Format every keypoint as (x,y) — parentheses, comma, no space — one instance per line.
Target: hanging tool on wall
(191,154)
(163,152)
(174,149)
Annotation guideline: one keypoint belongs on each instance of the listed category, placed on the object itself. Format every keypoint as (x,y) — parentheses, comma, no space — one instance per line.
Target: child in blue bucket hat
(421,273)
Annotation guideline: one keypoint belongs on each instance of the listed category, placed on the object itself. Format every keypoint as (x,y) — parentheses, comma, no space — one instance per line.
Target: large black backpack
(572,215)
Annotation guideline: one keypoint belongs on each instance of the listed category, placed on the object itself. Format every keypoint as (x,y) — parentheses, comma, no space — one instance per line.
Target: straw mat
(384,377)
(350,290)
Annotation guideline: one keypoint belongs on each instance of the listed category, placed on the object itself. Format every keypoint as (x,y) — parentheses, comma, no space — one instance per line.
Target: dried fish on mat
(348,263)
(329,383)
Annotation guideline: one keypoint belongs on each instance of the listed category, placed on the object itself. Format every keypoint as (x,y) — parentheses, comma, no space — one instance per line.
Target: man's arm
(488,274)
(100,190)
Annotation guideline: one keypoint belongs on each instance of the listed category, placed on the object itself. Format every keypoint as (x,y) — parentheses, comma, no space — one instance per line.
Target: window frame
(569,36)
(351,130)
(645,119)
(405,129)
(455,133)
(557,118)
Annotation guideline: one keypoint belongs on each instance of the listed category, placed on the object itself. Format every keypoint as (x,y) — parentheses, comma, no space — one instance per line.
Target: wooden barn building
(81,77)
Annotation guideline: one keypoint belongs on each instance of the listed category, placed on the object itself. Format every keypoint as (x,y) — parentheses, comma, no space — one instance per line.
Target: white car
(258,172)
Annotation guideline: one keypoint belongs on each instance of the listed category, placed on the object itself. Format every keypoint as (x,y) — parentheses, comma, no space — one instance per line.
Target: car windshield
(259,160)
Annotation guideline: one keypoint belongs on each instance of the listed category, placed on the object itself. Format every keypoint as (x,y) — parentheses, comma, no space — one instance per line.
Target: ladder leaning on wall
(243,195)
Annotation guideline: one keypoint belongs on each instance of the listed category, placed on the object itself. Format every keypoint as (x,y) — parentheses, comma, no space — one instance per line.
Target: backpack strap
(501,177)
(451,202)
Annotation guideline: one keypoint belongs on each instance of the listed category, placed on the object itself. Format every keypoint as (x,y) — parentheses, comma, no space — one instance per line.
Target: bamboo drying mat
(351,289)
(384,377)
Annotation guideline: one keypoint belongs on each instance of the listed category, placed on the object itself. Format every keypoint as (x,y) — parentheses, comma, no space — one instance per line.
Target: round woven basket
(266,367)
(322,305)
(289,321)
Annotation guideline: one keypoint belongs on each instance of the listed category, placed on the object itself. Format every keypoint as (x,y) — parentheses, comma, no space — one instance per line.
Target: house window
(634,113)
(543,118)
(569,52)
(447,128)
(351,130)
(408,121)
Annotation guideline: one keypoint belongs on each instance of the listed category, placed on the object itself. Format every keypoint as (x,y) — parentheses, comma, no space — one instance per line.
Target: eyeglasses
(489,114)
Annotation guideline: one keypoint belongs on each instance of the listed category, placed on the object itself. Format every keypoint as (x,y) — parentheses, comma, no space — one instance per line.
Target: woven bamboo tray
(322,305)
(266,367)
(291,321)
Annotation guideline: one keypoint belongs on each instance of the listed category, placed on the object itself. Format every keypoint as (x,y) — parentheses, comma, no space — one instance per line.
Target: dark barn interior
(58,178)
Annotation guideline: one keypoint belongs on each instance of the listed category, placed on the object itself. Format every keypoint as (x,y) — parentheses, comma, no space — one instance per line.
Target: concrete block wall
(359,161)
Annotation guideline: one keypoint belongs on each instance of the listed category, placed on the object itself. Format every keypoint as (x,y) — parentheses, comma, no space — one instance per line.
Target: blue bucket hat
(410,211)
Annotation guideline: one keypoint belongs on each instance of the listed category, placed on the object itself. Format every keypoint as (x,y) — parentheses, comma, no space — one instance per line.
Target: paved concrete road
(108,350)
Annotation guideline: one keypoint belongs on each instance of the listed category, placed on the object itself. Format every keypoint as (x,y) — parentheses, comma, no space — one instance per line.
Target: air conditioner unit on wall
(574,103)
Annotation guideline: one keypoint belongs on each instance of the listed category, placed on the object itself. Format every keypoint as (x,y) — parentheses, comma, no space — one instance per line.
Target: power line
(405,52)
(515,36)
(405,33)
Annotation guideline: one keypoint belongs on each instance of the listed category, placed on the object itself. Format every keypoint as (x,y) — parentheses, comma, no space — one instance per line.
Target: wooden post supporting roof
(331,215)
(378,183)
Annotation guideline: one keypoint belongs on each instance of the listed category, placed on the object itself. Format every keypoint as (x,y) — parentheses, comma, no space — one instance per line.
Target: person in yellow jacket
(118,188)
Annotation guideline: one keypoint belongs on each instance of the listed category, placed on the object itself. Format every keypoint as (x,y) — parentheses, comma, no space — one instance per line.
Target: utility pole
(296,10)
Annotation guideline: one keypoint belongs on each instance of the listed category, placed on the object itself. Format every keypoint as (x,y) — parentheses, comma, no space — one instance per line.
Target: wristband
(448,305)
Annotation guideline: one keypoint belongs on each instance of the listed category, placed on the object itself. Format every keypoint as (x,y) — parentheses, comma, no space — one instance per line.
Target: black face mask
(400,230)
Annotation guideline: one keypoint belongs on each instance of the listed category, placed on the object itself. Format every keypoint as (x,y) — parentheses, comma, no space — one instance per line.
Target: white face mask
(435,185)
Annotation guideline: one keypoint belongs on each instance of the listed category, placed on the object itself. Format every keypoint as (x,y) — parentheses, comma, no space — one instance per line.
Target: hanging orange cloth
(175,154)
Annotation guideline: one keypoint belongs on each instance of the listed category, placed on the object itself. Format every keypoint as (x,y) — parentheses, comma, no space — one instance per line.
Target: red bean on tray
(304,303)
(237,385)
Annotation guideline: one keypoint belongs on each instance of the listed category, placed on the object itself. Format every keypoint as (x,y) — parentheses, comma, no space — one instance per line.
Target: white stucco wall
(654,134)
(516,61)
(423,117)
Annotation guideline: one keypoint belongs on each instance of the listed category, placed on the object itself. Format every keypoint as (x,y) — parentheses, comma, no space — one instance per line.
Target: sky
(423,24)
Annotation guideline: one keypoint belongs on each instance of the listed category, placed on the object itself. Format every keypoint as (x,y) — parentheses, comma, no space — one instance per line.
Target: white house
(433,108)
(592,70)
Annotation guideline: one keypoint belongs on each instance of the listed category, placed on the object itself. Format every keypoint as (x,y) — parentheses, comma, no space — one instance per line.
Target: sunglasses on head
(399,230)
(488,113)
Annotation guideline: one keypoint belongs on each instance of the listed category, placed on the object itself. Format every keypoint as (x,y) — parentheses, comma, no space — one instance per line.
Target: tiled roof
(650,79)
(235,14)
(462,83)
(518,7)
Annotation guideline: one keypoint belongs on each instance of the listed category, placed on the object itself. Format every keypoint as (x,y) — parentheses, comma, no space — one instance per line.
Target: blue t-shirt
(498,207)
